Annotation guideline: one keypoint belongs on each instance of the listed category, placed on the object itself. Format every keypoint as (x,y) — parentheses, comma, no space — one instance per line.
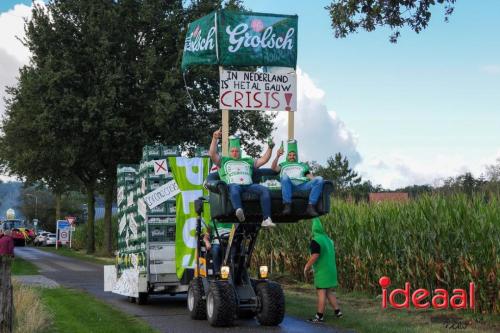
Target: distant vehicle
(40,238)
(50,240)
(19,232)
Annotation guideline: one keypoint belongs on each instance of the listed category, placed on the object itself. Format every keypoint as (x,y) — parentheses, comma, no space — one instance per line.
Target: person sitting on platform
(295,176)
(237,173)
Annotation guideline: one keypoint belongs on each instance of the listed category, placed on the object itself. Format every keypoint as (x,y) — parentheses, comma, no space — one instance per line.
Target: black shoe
(287,210)
(316,320)
(311,211)
(338,313)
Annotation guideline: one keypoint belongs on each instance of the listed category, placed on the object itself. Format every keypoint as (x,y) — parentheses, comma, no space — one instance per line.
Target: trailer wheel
(221,304)
(142,299)
(197,306)
(272,303)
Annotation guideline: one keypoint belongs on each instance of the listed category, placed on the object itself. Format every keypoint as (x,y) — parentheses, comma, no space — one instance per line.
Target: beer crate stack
(131,230)
(159,222)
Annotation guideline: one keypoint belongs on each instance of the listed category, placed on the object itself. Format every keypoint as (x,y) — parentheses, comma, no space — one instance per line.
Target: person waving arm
(212,152)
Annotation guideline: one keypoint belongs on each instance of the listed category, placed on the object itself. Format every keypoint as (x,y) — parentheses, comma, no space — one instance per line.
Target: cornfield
(432,242)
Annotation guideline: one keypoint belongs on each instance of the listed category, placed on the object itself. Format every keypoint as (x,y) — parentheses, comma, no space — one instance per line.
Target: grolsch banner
(231,38)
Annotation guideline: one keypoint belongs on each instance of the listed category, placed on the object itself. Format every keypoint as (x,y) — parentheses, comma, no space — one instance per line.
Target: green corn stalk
(435,241)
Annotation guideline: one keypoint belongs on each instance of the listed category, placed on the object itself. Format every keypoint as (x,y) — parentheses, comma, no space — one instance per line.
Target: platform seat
(222,210)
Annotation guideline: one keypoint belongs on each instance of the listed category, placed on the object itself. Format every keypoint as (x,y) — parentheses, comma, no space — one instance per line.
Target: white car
(50,240)
(40,238)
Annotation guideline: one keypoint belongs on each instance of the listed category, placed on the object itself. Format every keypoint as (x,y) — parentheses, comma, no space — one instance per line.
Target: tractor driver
(223,230)
(237,172)
(295,176)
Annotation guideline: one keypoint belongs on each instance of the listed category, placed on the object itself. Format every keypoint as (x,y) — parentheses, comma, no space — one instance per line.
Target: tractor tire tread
(224,304)
(200,306)
(272,309)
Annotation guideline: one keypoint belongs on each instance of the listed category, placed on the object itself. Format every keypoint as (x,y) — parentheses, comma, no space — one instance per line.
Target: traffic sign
(64,236)
(71,219)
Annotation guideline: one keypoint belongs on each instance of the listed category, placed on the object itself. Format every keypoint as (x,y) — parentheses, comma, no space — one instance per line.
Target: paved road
(165,313)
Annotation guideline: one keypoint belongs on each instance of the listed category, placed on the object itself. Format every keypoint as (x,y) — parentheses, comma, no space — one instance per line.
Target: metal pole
(57,234)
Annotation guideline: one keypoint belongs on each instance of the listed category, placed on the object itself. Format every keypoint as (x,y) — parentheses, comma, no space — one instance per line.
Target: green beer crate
(160,220)
(152,152)
(171,151)
(159,210)
(161,233)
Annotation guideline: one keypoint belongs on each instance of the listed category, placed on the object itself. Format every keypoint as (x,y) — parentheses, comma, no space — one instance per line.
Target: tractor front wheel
(196,303)
(221,304)
(271,303)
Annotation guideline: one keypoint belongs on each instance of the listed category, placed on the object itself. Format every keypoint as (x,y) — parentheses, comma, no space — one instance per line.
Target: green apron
(325,269)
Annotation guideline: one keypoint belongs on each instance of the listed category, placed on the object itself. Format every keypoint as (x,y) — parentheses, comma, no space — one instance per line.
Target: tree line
(103,80)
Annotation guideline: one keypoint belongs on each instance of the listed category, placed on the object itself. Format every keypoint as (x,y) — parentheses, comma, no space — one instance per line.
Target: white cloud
(399,170)
(12,28)
(320,132)
(9,67)
(13,54)
(491,69)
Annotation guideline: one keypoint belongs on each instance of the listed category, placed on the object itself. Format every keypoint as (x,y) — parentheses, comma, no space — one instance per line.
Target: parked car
(40,238)
(50,240)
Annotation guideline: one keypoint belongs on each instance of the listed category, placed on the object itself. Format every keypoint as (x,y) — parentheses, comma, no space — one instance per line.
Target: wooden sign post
(6,301)
(291,118)
(225,132)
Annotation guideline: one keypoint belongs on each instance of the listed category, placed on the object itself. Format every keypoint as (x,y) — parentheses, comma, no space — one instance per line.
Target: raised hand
(217,134)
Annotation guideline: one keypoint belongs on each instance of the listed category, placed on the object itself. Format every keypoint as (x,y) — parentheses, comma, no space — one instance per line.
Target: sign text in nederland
(241,90)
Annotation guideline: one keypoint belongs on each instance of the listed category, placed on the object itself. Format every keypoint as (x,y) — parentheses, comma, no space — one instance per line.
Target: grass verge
(79,254)
(78,312)
(30,314)
(23,267)
(363,313)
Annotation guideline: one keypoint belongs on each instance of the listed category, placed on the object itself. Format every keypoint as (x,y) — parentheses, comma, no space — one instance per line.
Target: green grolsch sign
(232,38)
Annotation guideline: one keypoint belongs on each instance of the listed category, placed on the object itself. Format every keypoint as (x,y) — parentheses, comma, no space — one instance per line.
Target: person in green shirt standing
(237,173)
(325,270)
(296,176)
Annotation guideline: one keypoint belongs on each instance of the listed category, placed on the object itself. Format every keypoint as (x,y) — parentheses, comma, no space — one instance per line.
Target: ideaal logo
(439,298)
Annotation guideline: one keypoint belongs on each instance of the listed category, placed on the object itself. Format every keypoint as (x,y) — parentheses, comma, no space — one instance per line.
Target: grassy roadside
(75,311)
(45,310)
(79,254)
(362,313)
(23,267)
(30,314)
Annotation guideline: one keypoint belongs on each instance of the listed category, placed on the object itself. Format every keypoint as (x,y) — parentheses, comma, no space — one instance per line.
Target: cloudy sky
(425,108)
